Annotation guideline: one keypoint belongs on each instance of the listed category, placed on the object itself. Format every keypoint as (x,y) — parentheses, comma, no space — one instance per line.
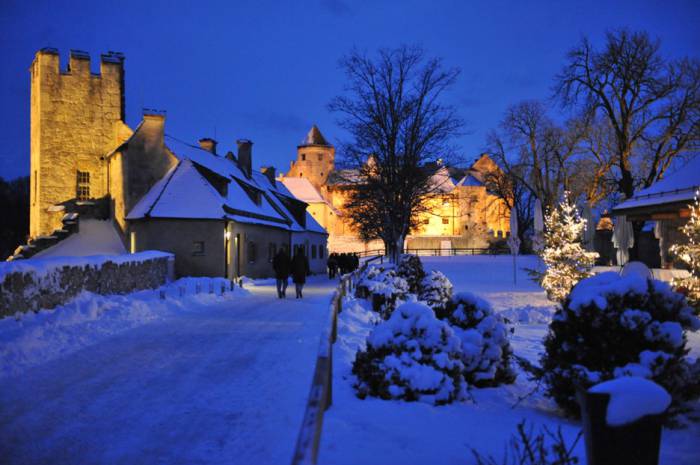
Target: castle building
(459,214)
(214,212)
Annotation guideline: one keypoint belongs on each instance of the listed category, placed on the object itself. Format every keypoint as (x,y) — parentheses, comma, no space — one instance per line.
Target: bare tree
(515,194)
(393,111)
(534,152)
(651,104)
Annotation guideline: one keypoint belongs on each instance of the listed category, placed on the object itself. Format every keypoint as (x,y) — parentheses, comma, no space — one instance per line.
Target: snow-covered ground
(95,237)
(135,379)
(391,432)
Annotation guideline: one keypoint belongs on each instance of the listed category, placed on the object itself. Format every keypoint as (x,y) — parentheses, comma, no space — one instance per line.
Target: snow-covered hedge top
(607,287)
(632,398)
(477,309)
(44,266)
(408,319)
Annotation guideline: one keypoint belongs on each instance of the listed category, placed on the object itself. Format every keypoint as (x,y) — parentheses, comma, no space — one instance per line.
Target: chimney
(269,171)
(208,144)
(245,156)
(153,127)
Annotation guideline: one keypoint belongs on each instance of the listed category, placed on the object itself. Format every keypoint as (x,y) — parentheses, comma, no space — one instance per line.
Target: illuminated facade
(460,214)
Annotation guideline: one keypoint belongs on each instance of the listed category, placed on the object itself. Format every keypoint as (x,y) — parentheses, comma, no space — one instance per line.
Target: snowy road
(223,383)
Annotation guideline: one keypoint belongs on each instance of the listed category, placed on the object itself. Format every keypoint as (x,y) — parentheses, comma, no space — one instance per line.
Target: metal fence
(440,252)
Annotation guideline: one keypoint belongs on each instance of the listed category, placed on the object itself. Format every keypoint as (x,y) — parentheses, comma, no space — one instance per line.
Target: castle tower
(76,118)
(315,159)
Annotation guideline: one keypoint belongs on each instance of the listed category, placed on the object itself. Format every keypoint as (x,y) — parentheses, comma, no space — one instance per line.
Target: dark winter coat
(282,265)
(300,268)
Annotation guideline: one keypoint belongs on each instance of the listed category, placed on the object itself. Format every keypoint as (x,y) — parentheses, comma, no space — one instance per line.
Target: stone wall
(34,284)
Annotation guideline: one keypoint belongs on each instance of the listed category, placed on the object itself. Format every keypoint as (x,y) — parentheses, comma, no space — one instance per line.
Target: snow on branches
(566,260)
(689,254)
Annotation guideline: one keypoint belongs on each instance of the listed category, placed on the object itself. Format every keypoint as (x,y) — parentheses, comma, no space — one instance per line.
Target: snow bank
(30,339)
(632,398)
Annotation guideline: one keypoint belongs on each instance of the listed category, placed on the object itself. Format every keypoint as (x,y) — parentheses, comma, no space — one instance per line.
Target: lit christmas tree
(565,258)
(690,255)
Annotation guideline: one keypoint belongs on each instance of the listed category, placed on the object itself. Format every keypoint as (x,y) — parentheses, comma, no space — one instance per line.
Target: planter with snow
(622,421)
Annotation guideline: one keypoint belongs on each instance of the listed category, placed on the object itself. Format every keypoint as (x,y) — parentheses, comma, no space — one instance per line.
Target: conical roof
(314,137)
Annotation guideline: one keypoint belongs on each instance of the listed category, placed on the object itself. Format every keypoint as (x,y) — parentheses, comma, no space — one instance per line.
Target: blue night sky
(266,70)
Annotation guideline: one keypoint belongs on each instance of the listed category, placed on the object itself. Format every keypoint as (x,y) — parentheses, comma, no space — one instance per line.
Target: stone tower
(76,118)
(315,159)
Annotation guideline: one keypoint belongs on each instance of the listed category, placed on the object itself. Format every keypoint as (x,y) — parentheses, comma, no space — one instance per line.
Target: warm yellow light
(227,235)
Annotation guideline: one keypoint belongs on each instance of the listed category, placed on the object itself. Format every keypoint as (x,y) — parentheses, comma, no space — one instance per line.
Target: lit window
(445,221)
(82,191)
(198,248)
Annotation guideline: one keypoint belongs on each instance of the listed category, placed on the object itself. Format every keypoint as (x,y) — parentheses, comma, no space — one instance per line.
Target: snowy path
(226,383)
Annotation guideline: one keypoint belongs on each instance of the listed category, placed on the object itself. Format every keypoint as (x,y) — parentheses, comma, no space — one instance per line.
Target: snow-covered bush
(436,291)
(412,356)
(387,290)
(367,277)
(566,260)
(411,269)
(612,326)
(486,351)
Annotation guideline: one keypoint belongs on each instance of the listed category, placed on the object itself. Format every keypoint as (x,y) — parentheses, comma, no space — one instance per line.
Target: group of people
(342,263)
(297,267)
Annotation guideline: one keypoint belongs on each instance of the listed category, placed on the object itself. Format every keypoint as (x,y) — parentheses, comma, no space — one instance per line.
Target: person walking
(300,269)
(332,265)
(282,266)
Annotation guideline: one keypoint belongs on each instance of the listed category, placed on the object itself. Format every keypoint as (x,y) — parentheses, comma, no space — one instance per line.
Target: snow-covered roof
(186,191)
(303,190)
(182,193)
(677,187)
(95,237)
(469,181)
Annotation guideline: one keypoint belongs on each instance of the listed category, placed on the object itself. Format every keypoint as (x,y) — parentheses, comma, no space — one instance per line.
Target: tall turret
(315,159)
(76,116)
